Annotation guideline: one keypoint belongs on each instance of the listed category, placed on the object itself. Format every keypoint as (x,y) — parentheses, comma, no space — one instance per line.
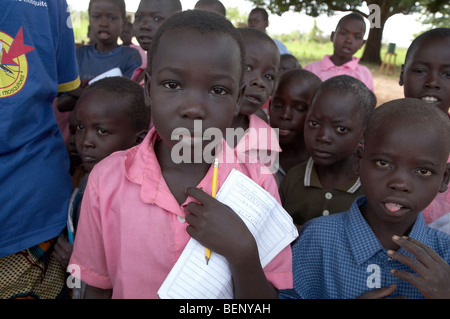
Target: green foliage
(236,17)
(437,19)
(318,7)
(80,22)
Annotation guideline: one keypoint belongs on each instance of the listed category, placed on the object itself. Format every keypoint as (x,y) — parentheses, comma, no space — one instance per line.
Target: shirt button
(181,219)
(328,196)
(325,212)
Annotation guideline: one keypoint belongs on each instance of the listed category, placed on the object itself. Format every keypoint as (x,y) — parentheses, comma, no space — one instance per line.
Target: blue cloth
(37,61)
(337,256)
(281,47)
(92,62)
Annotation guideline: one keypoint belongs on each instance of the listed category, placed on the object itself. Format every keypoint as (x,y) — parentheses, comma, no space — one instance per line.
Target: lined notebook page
(270,224)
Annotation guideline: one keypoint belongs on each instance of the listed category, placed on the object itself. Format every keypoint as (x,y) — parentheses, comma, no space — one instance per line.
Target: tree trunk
(372,47)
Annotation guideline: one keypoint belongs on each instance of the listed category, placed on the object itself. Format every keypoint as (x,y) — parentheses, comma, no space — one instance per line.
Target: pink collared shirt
(260,143)
(326,69)
(132,230)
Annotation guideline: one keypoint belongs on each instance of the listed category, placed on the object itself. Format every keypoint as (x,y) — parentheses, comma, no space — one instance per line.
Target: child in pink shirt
(142,206)
(260,140)
(423,77)
(347,40)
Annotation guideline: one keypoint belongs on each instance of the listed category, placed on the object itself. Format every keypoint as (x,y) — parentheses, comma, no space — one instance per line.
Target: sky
(399,29)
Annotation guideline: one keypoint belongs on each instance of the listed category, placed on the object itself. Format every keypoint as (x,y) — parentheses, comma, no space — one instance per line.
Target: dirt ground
(386,87)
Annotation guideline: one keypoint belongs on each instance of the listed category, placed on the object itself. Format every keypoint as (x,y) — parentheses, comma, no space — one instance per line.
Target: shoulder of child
(295,173)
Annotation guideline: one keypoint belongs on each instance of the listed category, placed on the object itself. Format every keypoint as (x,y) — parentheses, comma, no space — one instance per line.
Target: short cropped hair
(413,111)
(201,21)
(364,97)
(176,5)
(258,35)
(313,80)
(217,3)
(118,3)
(430,34)
(353,16)
(131,94)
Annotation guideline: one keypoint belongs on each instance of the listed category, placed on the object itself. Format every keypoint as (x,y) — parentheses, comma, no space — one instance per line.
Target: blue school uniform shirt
(37,61)
(339,257)
(92,62)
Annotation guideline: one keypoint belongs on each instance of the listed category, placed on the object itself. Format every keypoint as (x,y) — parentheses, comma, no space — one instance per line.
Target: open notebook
(270,224)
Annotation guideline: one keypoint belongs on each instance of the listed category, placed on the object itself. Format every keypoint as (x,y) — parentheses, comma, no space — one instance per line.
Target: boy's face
(288,109)
(103,126)
(348,38)
(333,127)
(426,75)
(106,22)
(262,60)
(148,18)
(256,20)
(401,170)
(194,77)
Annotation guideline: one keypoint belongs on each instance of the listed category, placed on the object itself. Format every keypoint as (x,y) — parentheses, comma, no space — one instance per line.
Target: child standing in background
(381,246)
(106,21)
(258,19)
(334,127)
(147,20)
(425,76)
(291,99)
(127,37)
(347,39)
(262,60)
(148,207)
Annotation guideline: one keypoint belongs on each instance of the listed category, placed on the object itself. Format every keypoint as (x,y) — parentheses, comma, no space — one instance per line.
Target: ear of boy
(147,78)
(358,155)
(402,71)
(446,179)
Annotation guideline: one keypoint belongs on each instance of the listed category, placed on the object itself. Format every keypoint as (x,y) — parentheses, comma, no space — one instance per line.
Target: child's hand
(62,251)
(433,273)
(217,227)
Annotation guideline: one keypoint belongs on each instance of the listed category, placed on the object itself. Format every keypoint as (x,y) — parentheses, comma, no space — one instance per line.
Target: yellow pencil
(213,194)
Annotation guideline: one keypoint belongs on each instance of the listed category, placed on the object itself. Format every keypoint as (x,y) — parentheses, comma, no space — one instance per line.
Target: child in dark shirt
(290,102)
(334,127)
